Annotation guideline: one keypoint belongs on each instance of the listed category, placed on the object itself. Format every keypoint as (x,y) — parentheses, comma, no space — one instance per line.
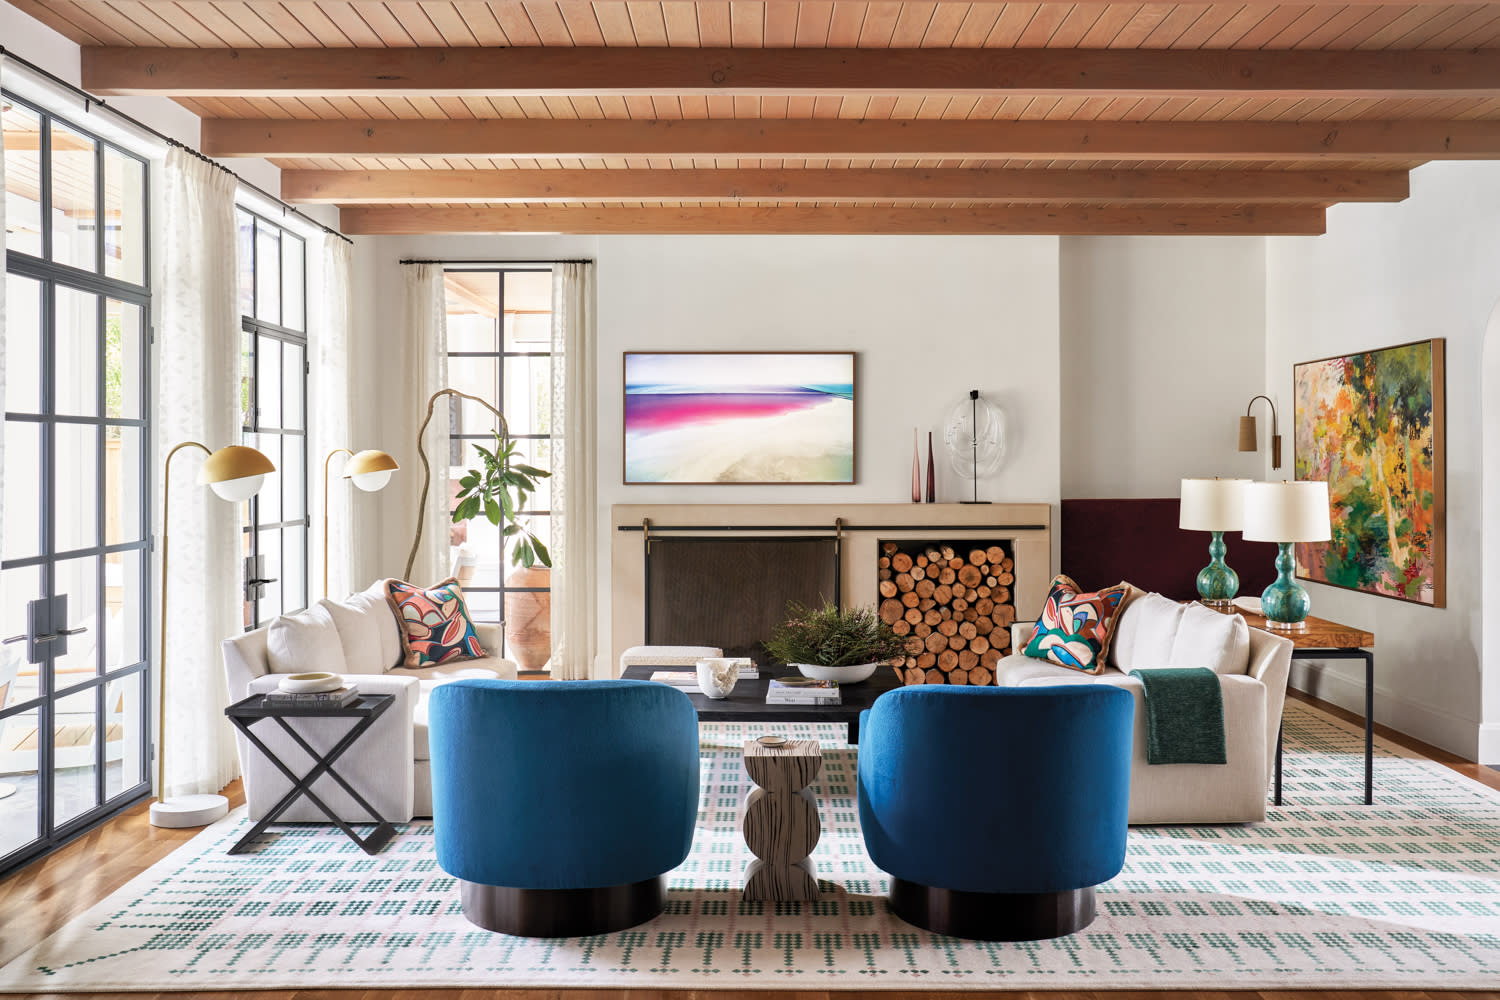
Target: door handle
(14,638)
(58,635)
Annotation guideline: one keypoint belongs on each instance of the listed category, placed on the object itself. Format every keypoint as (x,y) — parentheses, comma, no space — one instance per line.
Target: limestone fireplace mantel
(1025,527)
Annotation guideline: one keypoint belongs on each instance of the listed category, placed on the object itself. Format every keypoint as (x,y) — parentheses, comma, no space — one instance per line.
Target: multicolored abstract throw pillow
(435,623)
(1075,628)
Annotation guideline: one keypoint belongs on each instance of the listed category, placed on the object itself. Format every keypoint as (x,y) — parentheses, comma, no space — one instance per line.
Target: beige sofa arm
(1271,664)
(1020,635)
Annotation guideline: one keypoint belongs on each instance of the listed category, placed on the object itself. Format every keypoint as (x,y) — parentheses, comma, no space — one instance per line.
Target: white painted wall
(1163,344)
(931,318)
(1389,274)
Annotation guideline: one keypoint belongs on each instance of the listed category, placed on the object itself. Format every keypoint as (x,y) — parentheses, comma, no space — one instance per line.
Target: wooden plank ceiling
(623,116)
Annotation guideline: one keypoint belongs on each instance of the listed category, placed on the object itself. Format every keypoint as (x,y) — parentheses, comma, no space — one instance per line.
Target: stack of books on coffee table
(802,691)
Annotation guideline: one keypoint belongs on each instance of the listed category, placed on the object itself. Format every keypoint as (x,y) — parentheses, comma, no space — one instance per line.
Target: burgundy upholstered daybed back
(1106,541)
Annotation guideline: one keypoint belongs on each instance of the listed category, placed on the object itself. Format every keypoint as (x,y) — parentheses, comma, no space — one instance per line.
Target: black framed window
(273,404)
(75,567)
(500,349)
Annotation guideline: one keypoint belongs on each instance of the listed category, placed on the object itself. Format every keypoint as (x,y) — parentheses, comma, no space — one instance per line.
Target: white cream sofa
(358,638)
(1154,631)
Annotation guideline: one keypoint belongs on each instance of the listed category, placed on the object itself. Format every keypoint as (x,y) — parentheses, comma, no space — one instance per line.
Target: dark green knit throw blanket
(1184,716)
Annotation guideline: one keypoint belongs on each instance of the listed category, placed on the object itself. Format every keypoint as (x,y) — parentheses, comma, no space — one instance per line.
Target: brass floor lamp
(370,470)
(236,473)
(416,541)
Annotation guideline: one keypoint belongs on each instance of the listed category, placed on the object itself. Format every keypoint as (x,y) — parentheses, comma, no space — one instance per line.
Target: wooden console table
(1326,640)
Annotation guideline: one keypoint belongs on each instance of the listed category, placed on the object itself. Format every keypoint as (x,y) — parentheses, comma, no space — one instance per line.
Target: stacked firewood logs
(952,605)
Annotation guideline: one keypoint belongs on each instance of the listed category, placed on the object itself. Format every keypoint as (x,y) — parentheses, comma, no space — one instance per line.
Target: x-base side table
(364,711)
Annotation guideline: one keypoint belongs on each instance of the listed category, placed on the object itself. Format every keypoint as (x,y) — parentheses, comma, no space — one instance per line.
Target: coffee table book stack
(802,691)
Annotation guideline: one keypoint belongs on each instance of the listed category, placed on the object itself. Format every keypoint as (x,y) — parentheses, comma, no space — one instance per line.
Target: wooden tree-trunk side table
(1322,639)
(780,820)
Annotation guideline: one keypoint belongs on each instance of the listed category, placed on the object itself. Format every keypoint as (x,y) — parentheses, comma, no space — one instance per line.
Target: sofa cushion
(1018,669)
(1156,631)
(1145,632)
(435,624)
(1206,638)
(305,642)
(431,677)
(1075,627)
(367,630)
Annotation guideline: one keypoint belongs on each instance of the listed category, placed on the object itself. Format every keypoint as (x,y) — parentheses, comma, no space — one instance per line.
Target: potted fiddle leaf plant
(500,491)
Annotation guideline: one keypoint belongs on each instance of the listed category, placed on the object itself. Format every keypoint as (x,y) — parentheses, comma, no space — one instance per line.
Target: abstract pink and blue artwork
(739,418)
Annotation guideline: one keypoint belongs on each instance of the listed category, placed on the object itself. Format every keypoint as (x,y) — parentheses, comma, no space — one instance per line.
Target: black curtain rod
(413,260)
(831,529)
(89,99)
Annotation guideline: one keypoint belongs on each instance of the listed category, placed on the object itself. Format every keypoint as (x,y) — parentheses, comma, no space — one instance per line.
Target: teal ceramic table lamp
(1286,513)
(1217,506)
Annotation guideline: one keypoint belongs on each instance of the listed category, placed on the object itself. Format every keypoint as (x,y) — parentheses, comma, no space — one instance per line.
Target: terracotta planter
(528,618)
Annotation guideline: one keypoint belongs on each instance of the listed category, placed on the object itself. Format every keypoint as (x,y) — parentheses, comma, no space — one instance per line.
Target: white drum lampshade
(1287,512)
(1212,504)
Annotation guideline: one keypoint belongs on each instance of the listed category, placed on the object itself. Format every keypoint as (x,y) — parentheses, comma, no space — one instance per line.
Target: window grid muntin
(51,276)
(259,329)
(500,355)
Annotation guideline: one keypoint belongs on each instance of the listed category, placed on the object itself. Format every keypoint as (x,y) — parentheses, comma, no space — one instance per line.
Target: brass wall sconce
(1248,434)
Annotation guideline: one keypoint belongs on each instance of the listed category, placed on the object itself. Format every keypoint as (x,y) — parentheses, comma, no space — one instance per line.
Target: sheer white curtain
(575,629)
(427,332)
(332,419)
(198,363)
(2,340)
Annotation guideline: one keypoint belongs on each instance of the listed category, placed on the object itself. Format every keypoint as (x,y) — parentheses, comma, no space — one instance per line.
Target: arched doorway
(1489,441)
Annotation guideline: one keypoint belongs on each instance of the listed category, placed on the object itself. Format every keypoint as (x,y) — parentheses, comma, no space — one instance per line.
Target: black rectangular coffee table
(364,711)
(747,702)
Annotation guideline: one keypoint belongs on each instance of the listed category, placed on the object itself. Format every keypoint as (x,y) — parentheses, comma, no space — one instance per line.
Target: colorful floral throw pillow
(1075,628)
(435,623)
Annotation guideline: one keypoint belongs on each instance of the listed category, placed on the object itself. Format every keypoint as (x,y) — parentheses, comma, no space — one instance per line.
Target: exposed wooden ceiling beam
(190,4)
(408,187)
(1281,220)
(822,138)
(563,71)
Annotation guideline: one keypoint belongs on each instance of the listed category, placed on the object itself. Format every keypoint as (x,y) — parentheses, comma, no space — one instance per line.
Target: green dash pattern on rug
(1327,893)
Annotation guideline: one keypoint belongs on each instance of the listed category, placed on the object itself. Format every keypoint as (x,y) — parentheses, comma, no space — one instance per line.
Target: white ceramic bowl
(844,675)
(311,683)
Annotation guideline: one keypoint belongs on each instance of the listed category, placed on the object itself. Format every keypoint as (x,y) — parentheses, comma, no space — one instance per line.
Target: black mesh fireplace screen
(731,592)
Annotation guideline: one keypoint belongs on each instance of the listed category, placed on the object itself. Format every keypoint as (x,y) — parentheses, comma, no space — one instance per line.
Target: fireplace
(952,602)
(721,574)
(732,592)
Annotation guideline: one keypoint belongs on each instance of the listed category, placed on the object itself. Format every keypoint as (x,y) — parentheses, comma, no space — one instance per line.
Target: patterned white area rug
(1326,894)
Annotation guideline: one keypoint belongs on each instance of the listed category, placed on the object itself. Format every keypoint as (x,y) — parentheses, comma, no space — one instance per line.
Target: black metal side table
(364,711)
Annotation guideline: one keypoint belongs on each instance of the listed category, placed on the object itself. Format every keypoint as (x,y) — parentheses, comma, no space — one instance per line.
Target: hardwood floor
(40,898)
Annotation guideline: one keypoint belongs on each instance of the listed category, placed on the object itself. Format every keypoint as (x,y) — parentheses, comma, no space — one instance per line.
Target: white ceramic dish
(844,675)
(771,741)
(311,683)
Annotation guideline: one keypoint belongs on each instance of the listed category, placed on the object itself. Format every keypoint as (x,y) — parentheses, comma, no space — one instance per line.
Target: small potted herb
(834,644)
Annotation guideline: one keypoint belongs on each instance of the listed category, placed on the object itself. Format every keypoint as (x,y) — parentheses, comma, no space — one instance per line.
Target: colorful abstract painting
(739,418)
(1371,424)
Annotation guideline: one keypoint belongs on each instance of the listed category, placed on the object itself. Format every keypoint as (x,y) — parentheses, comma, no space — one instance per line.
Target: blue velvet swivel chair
(559,805)
(1033,782)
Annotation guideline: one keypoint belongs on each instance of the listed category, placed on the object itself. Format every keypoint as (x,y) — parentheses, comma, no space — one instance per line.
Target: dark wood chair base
(562,912)
(993,916)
